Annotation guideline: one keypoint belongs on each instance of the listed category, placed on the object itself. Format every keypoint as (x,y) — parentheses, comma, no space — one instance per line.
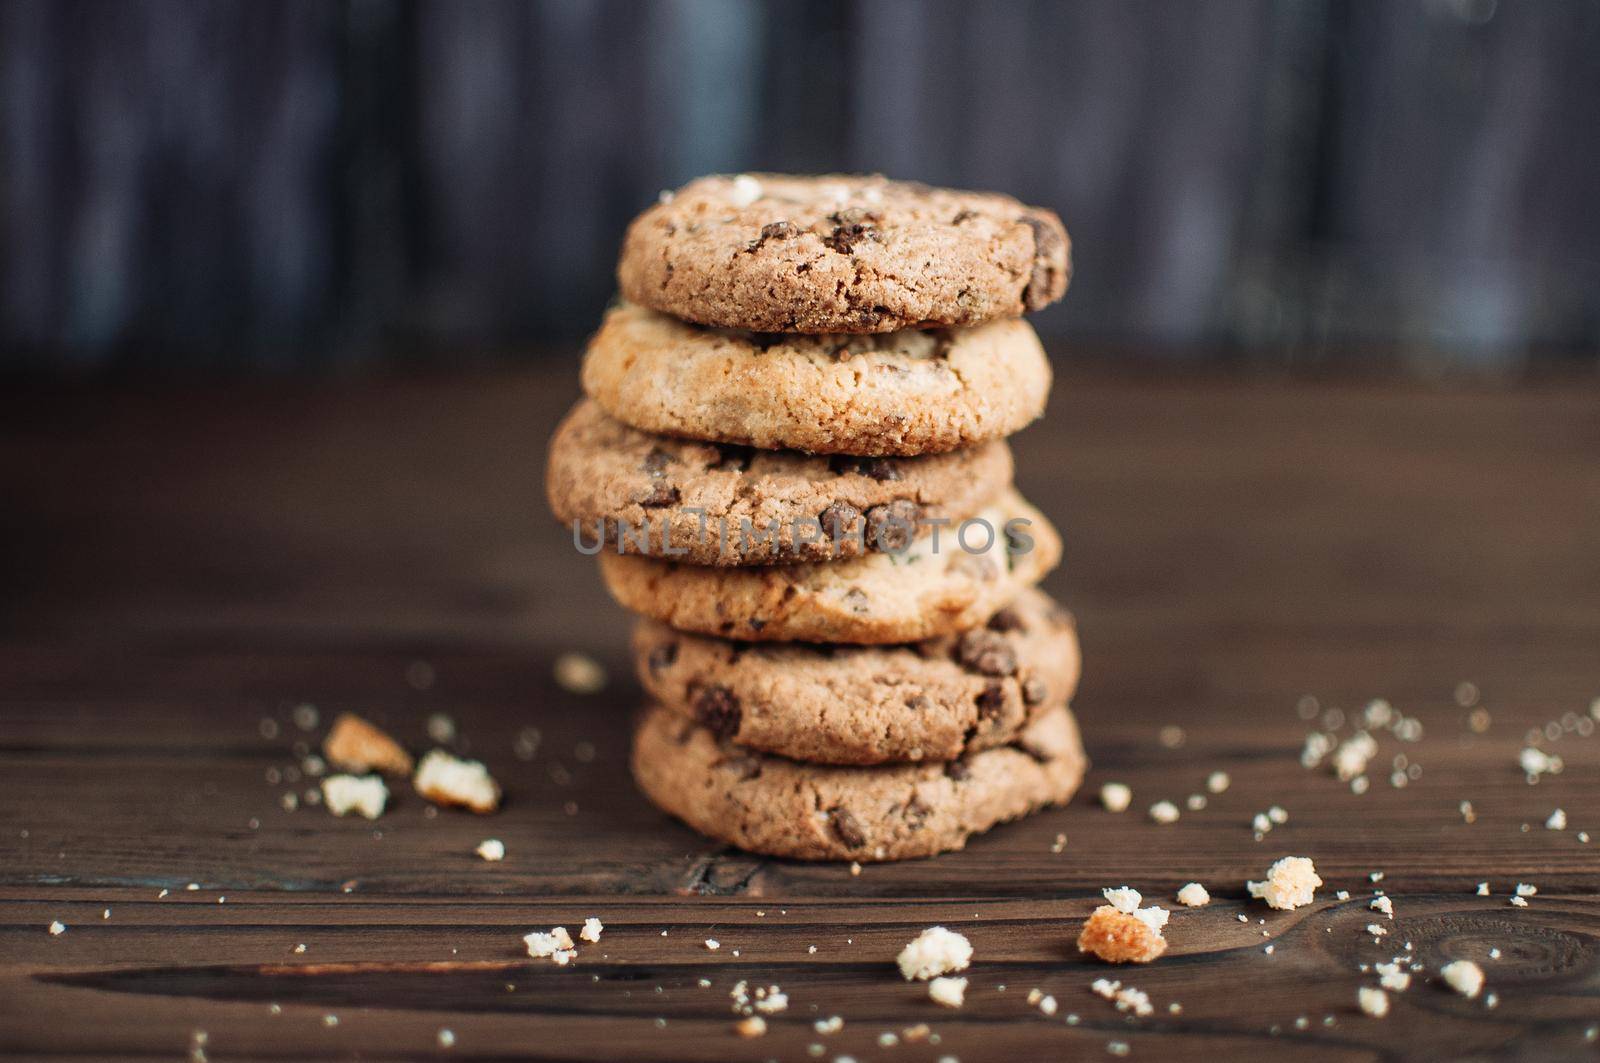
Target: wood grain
(181,565)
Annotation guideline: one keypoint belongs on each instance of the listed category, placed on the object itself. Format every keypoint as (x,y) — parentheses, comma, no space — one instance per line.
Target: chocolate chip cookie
(938,584)
(841,253)
(768,804)
(933,700)
(889,394)
(725,504)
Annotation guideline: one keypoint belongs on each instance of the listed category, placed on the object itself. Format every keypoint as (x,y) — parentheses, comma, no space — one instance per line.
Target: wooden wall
(310,183)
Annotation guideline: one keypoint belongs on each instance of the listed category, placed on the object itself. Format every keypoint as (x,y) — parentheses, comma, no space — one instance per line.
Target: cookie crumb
(447,1038)
(358,747)
(1483,889)
(1525,890)
(491,849)
(557,945)
(1374,1002)
(57,928)
(578,673)
(1464,976)
(712,944)
(1116,797)
(1164,812)
(1218,781)
(1290,883)
(1194,895)
(1557,821)
(1390,976)
(833,1024)
(751,1026)
(1121,937)
(1383,904)
(1124,899)
(344,794)
(935,951)
(591,930)
(946,992)
(450,781)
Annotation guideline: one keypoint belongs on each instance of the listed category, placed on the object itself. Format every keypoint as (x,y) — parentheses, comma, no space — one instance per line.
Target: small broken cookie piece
(948,992)
(557,945)
(357,746)
(451,782)
(1464,976)
(344,794)
(933,952)
(1122,937)
(1290,883)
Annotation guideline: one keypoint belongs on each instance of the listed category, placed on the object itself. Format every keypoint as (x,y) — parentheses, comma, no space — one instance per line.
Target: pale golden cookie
(899,393)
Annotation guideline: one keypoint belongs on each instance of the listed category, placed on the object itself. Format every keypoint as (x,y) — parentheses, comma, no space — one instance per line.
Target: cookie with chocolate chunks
(785,808)
(723,504)
(841,253)
(836,704)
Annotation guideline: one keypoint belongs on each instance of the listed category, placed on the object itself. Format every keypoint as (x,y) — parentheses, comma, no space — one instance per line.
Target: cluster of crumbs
(557,945)
(1120,931)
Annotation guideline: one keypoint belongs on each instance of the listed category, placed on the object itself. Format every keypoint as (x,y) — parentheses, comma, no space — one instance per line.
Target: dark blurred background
(317,185)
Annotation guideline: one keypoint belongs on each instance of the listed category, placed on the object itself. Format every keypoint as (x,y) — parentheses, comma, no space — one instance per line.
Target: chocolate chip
(857,600)
(961,216)
(662,494)
(882,470)
(893,525)
(656,462)
(957,770)
(848,828)
(850,227)
(1006,619)
(987,652)
(920,703)
(663,657)
(1034,690)
(839,520)
(991,702)
(1045,282)
(777,230)
(717,709)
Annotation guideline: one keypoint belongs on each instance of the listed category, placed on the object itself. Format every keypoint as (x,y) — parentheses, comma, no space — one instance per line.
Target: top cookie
(841,253)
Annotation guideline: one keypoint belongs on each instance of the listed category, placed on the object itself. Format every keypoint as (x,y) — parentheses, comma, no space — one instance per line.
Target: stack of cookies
(792,465)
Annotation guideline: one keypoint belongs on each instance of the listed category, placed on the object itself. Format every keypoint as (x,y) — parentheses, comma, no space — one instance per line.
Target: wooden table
(184,567)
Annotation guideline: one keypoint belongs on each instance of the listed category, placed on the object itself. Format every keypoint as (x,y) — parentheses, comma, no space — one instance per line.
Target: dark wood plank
(184,565)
